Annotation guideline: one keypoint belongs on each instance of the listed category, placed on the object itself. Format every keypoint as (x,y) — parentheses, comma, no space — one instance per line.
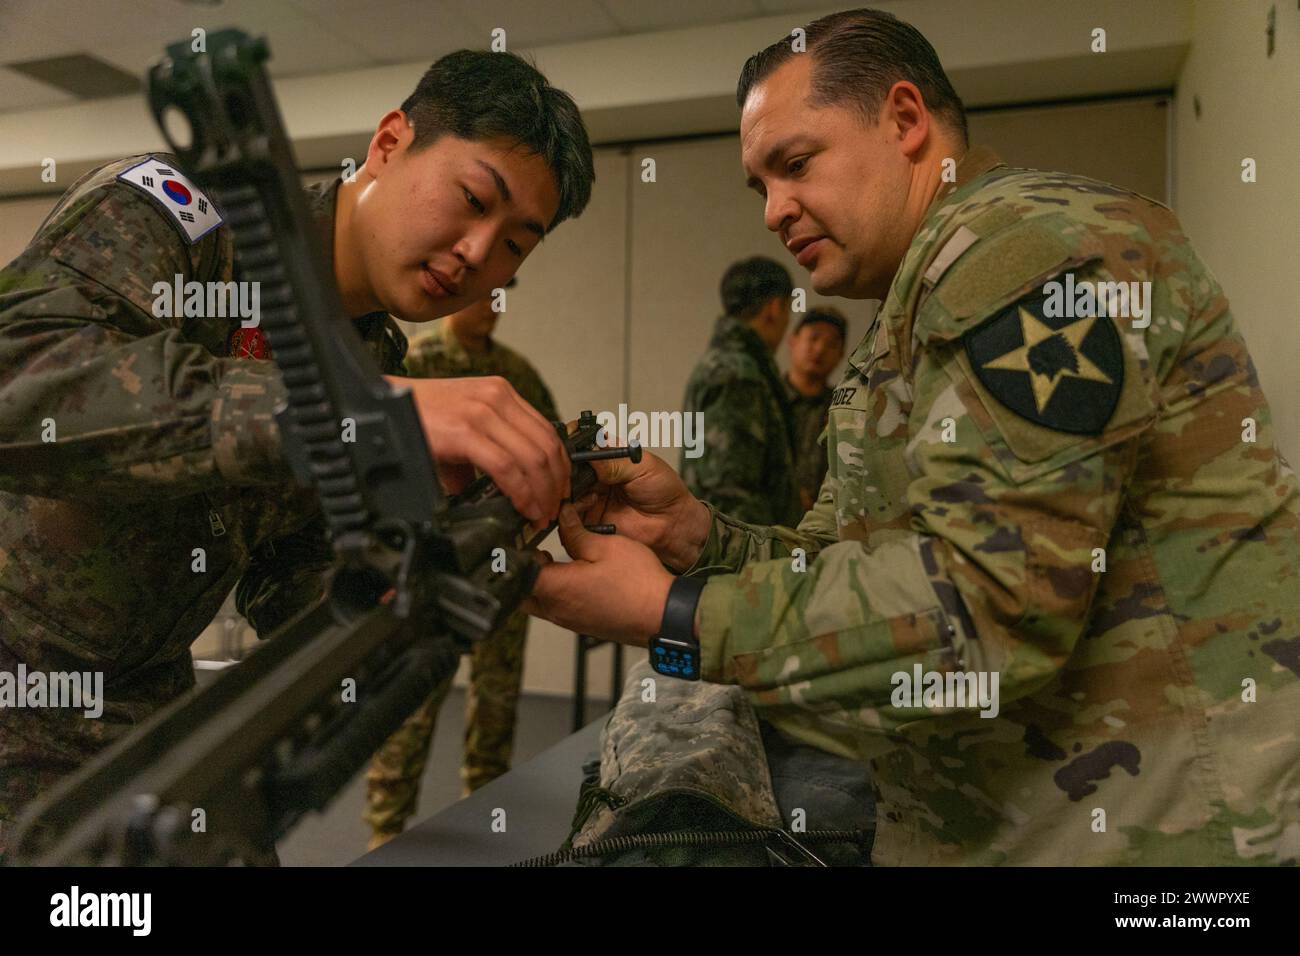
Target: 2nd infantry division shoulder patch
(1065,372)
(192,211)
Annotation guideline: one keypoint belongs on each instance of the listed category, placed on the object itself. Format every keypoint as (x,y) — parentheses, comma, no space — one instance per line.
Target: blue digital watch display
(675,658)
(674,651)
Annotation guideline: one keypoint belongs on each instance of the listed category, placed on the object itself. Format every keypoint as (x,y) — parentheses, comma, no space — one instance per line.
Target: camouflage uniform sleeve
(285,576)
(732,544)
(819,523)
(994,575)
(730,471)
(97,396)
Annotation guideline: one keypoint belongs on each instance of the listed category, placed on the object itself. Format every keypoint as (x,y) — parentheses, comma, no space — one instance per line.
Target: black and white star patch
(1065,373)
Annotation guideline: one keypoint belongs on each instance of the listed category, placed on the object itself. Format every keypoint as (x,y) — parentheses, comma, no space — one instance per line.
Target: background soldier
(747,468)
(141,475)
(816,348)
(1085,503)
(463,346)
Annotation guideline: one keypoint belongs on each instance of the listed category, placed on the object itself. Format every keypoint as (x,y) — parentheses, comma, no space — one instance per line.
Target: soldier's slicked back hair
(857,56)
(478,95)
(750,284)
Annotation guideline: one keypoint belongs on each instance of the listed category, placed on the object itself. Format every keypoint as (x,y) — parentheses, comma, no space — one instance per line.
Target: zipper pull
(214,521)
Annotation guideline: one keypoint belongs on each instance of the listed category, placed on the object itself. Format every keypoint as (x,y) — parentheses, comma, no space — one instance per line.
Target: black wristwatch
(674,651)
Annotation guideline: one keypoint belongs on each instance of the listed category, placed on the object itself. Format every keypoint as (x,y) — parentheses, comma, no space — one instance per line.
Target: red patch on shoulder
(249,343)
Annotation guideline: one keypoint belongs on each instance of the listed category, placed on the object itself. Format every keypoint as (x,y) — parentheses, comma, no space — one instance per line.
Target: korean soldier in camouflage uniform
(128,440)
(1089,506)
(747,465)
(816,348)
(462,346)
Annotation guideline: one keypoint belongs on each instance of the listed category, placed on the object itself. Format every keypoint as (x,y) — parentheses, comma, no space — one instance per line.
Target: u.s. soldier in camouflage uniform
(1088,506)
(463,346)
(130,440)
(816,348)
(747,464)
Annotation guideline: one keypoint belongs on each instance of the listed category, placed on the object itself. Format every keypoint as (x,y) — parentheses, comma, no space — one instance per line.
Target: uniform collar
(730,331)
(977,161)
(322,200)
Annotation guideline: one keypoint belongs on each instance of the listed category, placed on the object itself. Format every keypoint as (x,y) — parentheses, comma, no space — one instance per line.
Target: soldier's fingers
(558,462)
(488,446)
(616,471)
(592,505)
(576,539)
(455,476)
(531,455)
(541,454)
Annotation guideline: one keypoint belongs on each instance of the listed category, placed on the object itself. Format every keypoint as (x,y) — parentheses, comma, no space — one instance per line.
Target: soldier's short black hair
(477,95)
(750,284)
(857,56)
(828,315)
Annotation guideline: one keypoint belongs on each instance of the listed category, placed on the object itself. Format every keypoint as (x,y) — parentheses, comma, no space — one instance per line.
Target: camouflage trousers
(393,781)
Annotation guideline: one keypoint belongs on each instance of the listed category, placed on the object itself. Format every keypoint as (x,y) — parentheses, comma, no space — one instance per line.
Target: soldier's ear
(907,117)
(393,136)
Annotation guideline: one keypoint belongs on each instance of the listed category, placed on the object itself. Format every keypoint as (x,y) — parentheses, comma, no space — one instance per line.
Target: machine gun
(222,773)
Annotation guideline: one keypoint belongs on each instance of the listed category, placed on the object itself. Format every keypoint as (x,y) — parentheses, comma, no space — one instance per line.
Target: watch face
(673,659)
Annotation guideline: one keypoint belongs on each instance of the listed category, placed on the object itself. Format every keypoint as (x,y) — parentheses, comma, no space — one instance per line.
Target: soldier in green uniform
(463,346)
(747,464)
(816,348)
(1081,501)
(141,476)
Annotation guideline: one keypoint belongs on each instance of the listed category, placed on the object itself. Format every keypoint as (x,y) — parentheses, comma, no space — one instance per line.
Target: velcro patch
(193,212)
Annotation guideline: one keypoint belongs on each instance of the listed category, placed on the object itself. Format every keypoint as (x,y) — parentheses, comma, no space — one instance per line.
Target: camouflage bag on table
(683,780)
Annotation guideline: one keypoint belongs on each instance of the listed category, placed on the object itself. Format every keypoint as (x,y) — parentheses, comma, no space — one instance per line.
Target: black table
(538,798)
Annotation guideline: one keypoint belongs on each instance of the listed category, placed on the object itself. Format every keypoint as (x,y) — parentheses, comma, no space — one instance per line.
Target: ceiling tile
(408,30)
(28,31)
(637,16)
(529,23)
(298,46)
(110,23)
(770,7)
(305,46)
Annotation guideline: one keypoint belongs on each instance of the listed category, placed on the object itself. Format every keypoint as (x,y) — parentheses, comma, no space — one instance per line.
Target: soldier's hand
(648,502)
(614,588)
(483,423)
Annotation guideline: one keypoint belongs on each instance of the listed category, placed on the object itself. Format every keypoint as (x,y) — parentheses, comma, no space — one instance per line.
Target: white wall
(1247,233)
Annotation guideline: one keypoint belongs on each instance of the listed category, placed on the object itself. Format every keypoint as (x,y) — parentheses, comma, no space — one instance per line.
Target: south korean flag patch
(194,213)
